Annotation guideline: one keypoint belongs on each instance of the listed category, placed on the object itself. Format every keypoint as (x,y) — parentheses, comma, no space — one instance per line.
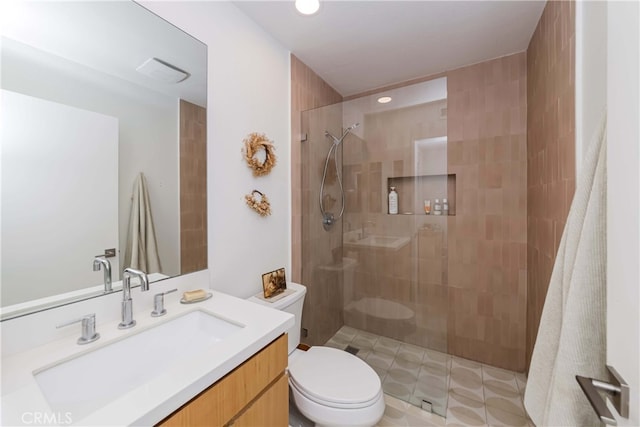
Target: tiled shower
(472,287)
(451,283)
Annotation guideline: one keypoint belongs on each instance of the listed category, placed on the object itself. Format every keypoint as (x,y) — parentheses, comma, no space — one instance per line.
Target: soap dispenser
(393,201)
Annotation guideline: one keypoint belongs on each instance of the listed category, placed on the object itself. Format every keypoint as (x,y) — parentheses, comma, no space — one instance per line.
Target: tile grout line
(484,396)
(449,368)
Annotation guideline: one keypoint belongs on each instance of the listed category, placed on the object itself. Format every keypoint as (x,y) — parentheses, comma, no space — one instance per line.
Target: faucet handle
(89,333)
(158,303)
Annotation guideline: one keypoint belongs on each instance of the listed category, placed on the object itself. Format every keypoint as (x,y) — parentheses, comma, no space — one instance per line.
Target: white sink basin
(87,382)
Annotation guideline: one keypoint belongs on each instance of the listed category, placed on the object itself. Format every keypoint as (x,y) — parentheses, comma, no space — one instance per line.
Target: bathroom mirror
(94,94)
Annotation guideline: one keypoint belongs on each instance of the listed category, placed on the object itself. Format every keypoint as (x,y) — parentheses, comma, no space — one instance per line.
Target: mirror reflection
(103,156)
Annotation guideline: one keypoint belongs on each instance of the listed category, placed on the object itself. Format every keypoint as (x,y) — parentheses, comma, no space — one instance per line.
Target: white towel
(141,251)
(572,334)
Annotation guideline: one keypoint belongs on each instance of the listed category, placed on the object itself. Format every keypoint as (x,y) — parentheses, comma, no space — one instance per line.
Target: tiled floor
(468,393)
(396,413)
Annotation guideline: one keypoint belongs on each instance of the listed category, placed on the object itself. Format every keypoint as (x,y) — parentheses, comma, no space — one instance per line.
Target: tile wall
(398,292)
(322,314)
(550,149)
(487,239)
(464,276)
(193,187)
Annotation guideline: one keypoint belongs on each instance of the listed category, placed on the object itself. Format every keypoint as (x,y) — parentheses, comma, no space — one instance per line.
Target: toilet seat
(330,404)
(335,379)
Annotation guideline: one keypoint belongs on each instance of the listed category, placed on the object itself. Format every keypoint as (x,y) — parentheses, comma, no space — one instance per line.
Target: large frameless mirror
(103,154)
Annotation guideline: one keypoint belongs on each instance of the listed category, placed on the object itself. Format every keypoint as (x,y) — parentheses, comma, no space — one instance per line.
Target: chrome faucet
(127,304)
(89,333)
(106,267)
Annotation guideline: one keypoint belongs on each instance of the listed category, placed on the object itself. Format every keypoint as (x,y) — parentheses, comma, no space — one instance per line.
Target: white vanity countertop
(23,401)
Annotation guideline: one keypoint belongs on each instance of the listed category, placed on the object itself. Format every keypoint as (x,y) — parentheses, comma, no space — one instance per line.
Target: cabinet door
(269,410)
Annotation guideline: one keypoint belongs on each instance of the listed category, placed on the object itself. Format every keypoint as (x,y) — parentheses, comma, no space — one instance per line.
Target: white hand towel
(572,334)
(141,251)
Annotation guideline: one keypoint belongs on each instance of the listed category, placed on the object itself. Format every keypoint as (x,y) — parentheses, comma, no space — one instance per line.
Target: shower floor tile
(465,391)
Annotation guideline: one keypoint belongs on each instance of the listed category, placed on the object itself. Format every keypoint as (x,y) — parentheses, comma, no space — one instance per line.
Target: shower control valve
(327,220)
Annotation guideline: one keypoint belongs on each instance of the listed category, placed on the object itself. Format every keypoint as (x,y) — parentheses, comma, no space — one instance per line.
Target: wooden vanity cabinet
(256,393)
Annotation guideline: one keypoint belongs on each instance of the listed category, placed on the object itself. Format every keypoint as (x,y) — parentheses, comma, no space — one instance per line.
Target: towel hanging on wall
(141,251)
(572,334)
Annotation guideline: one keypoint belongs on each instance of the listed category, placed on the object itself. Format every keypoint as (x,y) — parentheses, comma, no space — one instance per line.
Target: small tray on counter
(183,301)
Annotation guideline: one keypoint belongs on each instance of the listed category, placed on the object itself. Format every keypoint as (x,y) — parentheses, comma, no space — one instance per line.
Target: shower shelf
(423,187)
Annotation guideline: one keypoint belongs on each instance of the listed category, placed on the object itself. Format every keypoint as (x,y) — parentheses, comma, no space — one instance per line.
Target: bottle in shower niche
(393,201)
(445,207)
(437,207)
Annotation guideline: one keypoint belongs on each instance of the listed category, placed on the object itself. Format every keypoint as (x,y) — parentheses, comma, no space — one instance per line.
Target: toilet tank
(292,303)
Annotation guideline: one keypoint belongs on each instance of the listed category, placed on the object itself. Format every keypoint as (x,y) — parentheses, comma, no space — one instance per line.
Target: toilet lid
(334,376)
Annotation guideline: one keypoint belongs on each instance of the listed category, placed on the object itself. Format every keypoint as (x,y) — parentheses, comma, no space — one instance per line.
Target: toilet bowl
(334,388)
(329,386)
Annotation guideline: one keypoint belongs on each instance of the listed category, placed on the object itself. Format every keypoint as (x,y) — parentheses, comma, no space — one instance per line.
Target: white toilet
(329,386)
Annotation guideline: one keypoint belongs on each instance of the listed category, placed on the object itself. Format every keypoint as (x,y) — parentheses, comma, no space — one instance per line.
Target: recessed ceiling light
(384,99)
(307,7)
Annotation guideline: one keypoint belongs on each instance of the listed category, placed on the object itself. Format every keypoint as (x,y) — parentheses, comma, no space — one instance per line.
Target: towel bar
(108,253)
(618,389)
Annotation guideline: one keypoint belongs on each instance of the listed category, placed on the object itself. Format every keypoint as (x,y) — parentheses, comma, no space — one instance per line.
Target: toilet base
(326,416)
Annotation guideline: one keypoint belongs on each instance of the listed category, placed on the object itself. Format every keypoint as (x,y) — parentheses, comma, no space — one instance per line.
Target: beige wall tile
(550,149)
(322,310)
(193,187)
(488,102)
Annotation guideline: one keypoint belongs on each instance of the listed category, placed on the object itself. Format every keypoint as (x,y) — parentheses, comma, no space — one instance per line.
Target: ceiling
(357,46)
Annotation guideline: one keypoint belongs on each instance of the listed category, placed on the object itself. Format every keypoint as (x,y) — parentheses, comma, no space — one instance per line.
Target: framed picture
(273,283)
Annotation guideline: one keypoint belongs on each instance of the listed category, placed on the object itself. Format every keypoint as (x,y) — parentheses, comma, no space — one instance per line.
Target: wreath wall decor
(255,143)
(260,205)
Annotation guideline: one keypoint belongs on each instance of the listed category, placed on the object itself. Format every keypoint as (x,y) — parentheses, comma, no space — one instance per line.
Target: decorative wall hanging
(261,205)
(255,143)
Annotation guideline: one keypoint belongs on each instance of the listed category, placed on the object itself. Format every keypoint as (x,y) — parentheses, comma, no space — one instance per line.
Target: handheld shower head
(346,132)
(328,219)
(337,141)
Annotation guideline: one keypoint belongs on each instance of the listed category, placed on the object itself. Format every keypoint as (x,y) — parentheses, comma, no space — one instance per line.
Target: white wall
(607,74)
(53,224)
(623,198)
(248,91)
(591,72)
(148,132)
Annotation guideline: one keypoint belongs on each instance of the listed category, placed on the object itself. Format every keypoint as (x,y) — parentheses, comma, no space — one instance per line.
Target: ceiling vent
(162,71)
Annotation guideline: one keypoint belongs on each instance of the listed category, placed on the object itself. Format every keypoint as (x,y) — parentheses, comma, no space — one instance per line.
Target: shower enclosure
(377,283)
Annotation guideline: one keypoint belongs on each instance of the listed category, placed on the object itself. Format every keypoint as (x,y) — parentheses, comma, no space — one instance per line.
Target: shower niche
(414,190)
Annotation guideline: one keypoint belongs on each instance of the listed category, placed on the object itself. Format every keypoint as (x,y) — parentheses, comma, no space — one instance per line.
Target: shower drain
(352,350)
